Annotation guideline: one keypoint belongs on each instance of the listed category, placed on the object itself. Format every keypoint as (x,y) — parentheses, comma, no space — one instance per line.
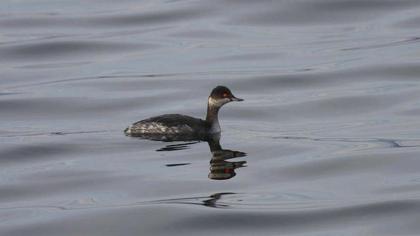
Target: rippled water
(326,142)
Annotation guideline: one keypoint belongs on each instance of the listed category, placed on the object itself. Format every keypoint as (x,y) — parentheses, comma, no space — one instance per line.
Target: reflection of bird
(207,201)
(212,201)
(172,127)
(220,169)
(176,147)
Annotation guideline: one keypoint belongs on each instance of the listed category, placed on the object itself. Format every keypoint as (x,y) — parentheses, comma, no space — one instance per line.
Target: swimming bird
(170,127)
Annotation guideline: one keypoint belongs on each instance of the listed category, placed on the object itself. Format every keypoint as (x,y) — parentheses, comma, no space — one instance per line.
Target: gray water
(328,134)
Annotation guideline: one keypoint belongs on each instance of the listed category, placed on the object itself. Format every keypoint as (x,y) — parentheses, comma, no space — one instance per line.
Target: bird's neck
(213,117)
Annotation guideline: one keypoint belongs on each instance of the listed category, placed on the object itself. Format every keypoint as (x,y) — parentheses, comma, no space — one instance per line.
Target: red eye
(225,95)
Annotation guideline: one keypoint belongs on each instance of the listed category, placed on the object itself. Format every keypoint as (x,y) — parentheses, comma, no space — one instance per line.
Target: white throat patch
(218,102)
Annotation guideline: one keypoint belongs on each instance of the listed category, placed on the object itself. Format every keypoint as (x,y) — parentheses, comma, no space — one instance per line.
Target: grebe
(176,125)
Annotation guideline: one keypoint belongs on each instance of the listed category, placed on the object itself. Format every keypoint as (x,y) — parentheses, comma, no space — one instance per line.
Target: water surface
(326,142)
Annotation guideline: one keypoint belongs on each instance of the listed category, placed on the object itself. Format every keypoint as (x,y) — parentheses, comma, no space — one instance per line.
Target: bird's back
(169,124)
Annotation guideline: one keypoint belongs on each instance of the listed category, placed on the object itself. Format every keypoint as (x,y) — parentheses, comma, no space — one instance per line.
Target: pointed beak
(236,99)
